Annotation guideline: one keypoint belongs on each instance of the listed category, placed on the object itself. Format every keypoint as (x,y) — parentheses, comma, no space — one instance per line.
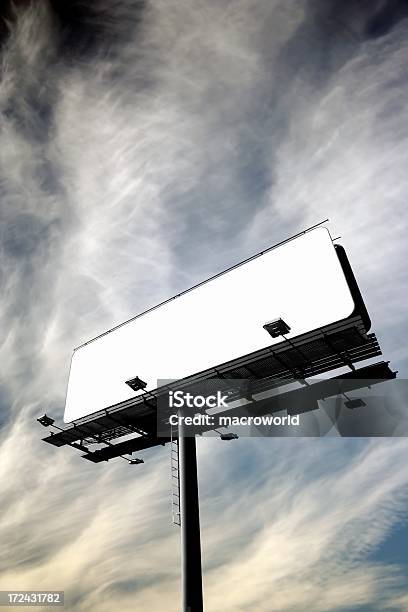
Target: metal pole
(192,589)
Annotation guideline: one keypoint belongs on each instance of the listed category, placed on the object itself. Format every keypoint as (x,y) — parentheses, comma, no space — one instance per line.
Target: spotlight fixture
(277,328)
(45,420)
(79,446)
(136,384)
(229,436)
(355,403)
(135,461)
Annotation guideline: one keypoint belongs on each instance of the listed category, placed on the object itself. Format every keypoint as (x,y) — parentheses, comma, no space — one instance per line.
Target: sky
(144,146)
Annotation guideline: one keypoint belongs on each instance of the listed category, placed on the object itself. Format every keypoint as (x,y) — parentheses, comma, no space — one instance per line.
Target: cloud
(342,156)
(143,148)
(313,533)
(275,537)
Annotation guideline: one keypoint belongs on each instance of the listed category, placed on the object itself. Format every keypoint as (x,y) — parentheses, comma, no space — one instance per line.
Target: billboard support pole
(192,589)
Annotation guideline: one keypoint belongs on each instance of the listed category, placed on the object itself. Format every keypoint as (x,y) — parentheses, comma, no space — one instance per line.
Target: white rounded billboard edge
(301,281)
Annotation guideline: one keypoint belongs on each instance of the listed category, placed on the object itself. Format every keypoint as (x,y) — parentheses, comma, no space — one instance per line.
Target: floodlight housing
(137,384)
(79,446)
(276,328)
(45,420)
(355,403)
(229,436)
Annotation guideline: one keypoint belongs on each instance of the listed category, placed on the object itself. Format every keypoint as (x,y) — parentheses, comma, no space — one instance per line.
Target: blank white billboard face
(301,281)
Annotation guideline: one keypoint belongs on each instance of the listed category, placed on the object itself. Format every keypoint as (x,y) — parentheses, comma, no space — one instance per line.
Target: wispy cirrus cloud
(275,537)
(145,146)
(311,535)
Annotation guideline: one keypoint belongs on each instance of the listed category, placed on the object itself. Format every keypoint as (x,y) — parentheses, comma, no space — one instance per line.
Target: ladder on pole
(175,480)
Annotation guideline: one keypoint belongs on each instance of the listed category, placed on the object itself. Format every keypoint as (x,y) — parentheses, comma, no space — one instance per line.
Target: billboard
(302,281)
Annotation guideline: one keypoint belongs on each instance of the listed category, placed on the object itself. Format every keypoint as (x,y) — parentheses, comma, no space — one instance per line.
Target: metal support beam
(192,589)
